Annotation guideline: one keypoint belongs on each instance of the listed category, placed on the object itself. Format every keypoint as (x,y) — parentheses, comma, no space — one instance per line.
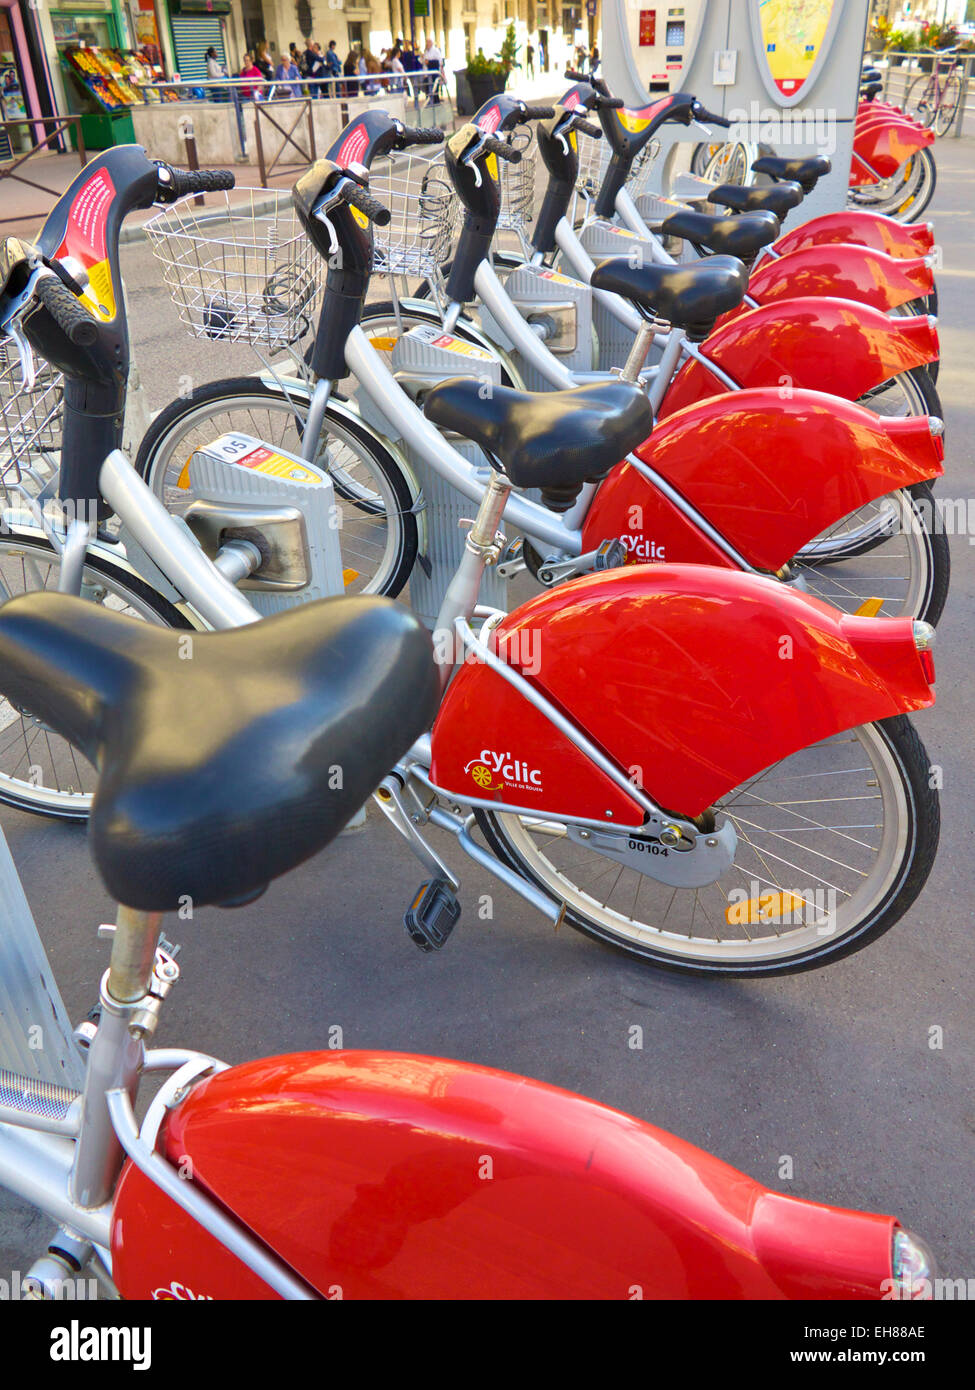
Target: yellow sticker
(491,164)
(574,140)
(630,121)
(100,283)
(869,608)
(360,217)
(769,907)
(449,344)
(274,465)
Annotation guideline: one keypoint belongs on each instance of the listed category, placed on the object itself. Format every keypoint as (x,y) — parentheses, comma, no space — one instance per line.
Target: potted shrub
(487,77)
(899,43)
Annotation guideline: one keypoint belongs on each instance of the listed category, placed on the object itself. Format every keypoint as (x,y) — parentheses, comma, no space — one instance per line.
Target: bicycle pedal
(432,915)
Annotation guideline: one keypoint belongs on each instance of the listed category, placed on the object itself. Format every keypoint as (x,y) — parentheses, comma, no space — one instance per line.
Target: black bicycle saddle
(804,172)
(742,236)
(773,197)
(225,758)
(690,296)
(545,439)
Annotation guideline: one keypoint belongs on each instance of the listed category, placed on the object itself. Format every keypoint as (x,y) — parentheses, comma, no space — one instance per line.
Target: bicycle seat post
(133,953)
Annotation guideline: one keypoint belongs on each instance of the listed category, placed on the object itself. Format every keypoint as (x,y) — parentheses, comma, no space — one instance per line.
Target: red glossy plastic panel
(842,272)
(819,344)
(860,228)
(387,1176)
(885,143)
(677,671)
(768,471)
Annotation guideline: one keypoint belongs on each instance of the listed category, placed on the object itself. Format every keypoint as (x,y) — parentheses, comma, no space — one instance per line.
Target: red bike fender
(368,1174)
(886,145)
(692,679)
(860,228)
(842,272)
(727,456)
(820,344)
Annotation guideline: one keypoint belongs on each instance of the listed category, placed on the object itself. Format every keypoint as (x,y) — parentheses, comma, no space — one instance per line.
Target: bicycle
(550,770)
(322,1175)
(932,98)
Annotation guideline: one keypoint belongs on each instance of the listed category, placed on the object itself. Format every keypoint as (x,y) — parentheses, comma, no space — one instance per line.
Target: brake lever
(28,372)
(705,128)
(322,216)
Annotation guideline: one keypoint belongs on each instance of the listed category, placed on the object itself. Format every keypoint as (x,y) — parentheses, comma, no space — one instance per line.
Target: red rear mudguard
(768,472)
(382,1176)
(860,229)
(820,344)
(840,272)
(884,145)
(676,670)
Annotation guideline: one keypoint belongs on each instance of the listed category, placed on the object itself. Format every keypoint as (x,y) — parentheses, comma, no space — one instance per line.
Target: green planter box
(108,128)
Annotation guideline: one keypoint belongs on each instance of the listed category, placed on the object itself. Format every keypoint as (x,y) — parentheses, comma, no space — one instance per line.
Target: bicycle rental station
(469,614)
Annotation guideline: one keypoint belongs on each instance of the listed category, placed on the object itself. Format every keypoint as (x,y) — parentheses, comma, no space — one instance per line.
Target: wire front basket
(422,205)
(241,271)
(517,185)
(30,422)
(593,159)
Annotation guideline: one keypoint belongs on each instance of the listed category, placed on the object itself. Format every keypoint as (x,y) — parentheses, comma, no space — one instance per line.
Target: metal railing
(898,76)
(8,168)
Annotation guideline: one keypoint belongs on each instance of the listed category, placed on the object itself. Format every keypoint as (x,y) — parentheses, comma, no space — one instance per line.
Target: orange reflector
(349,577)
(769,907)
(184,478)
(869,608)
(383,344)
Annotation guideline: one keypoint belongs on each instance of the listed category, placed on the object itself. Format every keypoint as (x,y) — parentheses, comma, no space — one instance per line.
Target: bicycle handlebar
(368,205)
(588,128)
(710,117)
(537,113)
(177,183)
(416,135)
(502,150)
(74,320)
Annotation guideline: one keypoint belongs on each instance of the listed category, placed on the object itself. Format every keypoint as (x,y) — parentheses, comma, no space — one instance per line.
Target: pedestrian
(286,75)
(333,68)
(593,60)
(262,60)
(350,67)
(396,67)
(297,58)
(216,71)
(530,60)
(249,68)
(432,61)
(314,68)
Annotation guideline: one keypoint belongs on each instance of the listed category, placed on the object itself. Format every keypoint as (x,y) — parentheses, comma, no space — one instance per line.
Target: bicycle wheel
(911,393)
(906,195)
(39,770)
(921,98)
(947,107)
(893,549)
(729,164)
(378,529)
(834,845)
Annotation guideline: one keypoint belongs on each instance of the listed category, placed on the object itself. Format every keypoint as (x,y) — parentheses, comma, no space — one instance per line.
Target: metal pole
(962,99)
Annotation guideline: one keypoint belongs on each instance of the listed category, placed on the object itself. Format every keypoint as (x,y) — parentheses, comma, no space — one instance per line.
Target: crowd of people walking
(298,72)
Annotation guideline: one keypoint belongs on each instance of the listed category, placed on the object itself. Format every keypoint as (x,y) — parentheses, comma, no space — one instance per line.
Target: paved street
(832,1068)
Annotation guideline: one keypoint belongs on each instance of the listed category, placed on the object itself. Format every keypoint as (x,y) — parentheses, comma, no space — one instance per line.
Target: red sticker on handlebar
(490,121)
(353,147)
(84,235)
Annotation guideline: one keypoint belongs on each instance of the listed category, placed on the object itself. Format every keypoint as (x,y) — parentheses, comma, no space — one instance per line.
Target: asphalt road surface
(832,1068)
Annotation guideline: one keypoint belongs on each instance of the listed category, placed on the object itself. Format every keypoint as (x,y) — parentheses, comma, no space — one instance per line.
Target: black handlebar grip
(368,205)
(537,113)
(502,150)
(709,118)
(610,103)
(416,135)
(71,316)
(588,128)
(200,181)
